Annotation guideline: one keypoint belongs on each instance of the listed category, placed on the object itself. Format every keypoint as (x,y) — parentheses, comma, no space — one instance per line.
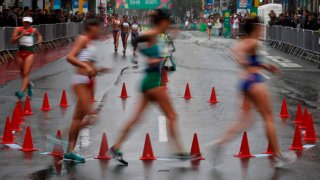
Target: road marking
(283,62)
(265,76)
(163,135)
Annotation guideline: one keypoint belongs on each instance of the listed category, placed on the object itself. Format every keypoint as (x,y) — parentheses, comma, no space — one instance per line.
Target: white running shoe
(285,159)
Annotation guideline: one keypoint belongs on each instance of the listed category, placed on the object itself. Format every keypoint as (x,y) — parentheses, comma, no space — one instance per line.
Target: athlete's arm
(15,36)
(38,35)
(72,59)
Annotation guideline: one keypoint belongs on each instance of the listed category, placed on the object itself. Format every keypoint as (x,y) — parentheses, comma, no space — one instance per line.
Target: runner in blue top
(255,91)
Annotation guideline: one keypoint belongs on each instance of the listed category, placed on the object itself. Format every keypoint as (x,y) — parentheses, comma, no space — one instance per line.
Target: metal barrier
(298,42)
(53,35)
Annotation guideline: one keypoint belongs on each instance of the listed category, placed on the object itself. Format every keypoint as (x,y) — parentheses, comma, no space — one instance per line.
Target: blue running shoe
(30,90)
(19,94)
(72,156)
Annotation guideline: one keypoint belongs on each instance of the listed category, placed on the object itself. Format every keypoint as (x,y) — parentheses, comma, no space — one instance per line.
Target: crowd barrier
(54,35)
(298,42)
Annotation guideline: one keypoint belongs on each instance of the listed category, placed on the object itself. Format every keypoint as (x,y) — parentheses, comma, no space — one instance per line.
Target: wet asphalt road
(200,62)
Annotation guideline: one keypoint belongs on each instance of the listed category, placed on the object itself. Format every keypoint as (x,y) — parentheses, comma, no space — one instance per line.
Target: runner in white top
(209,25)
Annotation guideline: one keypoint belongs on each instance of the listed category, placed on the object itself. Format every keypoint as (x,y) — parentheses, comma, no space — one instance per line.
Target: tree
(180,7)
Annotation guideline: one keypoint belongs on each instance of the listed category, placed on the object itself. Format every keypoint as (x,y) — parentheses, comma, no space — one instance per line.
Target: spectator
(273,18)
(295,22)
(311,22)
(305,16)
(283,21)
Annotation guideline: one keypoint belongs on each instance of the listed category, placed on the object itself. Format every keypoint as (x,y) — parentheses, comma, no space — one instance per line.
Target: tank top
(254,60)
(88,53)
(26,42)
(155,51)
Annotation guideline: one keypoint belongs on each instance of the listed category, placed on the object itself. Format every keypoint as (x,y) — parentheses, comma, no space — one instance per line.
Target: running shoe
(124,51)
(115,49)
(117,154)
(30,90)
(183,156)
(72,156)
(285,159)
(19,94)
(215,153)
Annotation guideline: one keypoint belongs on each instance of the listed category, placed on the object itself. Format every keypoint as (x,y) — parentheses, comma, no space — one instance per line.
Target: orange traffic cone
(296,143)
(284,110)
(64,100)
(45,104)
(164,75)
(147,150)
(7,134)
(103,148)
(213,98)
(244,149)
(304,119)
(298,119)
(195,148)
(27,143)
(27,107)
(124,94)
(187,94)
(20,110)
(269,150)
(15,120)
(310,136)
(57,147)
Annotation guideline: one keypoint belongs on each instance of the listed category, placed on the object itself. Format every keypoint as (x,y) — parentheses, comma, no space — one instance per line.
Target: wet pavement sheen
(201,63)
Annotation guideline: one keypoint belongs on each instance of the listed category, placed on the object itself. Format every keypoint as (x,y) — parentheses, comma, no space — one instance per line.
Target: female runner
(83,57)
(255,91)
(135,27)
(209,25)
(125,28)
(151,89)
(116,23)
(25,37)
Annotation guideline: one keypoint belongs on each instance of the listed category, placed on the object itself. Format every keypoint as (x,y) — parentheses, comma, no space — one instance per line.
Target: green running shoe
(72,156)
(117,154)
(30,90)
(19,94)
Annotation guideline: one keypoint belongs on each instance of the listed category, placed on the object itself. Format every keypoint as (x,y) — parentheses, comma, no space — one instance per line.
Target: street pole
(80,6)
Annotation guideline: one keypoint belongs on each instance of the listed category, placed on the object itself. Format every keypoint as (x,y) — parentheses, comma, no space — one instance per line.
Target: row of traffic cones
(46,104)
(147,150)
(187,94)
(296,145)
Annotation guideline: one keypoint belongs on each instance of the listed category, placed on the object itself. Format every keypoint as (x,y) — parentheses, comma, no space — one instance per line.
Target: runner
(125,27)
(25,37)
(255,91)
(116,23)
(151,89)
(83,57)
(209,24)
(135,27)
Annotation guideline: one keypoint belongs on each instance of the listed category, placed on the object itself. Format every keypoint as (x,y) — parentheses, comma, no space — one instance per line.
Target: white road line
(163,135)
(265,76)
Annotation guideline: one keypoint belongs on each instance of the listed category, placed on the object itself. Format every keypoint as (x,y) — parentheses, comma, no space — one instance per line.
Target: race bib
(135,26)
(125,24)
(26,41)
(117,22)
(209,24)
